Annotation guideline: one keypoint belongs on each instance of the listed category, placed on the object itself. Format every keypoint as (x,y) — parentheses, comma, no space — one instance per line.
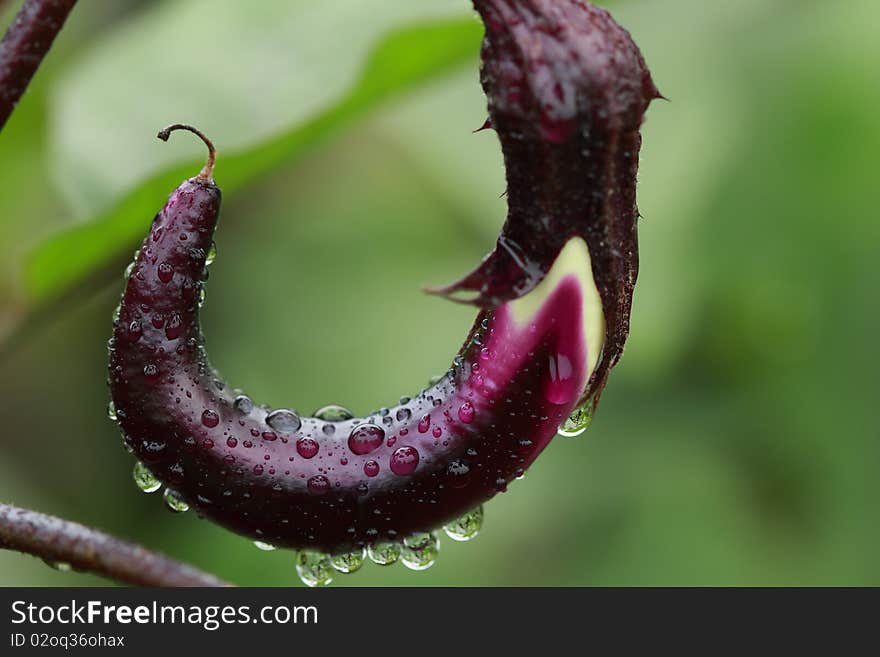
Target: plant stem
(57,540)
(26,43)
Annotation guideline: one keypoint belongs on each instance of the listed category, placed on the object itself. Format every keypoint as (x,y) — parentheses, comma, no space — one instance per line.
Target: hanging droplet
(284,420)
(211,255)
(384,554)
(174,501)
(202,295)
(576,423)
(116,311)
(348,563)
(145,480)
(111,410)
(314,568)
(466,527)
(266,547)
(333,413)
(419,551)
(61,566)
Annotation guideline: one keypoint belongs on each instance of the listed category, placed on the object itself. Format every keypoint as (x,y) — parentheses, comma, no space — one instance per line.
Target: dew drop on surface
(419,551)
(314,569)
(210,418)
(145,480)
(284,420)
(111,411)
(424,424)
(307,447)
(403,414)
(348,563)
(576,423)
(371,468)
(202,296)
(151,373)
(174,501)
(466,527)
(266,547)
(318,485)
(466,413)
(243,404)
(404,460)
(333,413)
(165,272)
(384,554)
(211,255)
(365,438)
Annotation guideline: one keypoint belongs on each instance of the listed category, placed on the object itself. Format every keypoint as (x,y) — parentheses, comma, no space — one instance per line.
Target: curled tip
(207,172)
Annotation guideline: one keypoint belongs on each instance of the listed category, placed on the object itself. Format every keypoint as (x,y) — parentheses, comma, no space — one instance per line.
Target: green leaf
(401,61)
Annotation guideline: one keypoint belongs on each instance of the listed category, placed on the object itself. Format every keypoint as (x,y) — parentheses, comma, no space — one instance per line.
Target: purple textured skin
(571,162)
(25,44)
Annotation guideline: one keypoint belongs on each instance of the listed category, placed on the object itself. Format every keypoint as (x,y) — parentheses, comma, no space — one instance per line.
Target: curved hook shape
(567,91)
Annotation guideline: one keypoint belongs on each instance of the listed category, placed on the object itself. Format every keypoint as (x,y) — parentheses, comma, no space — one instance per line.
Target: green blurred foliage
(736,442)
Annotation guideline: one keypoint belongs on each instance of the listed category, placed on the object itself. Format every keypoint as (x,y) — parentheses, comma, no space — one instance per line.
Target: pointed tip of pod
(549,64)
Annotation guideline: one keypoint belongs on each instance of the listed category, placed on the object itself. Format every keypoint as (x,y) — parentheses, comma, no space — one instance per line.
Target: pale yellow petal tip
(573,261)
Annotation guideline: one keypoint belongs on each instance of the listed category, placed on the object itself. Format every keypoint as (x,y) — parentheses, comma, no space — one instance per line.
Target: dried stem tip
(207,172)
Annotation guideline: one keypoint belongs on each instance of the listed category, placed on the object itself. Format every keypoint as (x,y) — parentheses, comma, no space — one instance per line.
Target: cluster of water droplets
(416,552)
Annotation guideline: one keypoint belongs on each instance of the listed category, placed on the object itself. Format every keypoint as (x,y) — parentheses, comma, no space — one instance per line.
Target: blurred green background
(737,442)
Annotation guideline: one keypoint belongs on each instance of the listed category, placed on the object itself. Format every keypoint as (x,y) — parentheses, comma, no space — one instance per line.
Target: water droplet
(314,568)
(211,255)
(576,423)
(128,271)
(419,551)
(115,316)
(466,527)
(404,460)
(384,554)
(434,380)
(111,410)
(151,373)
(165,272)
(61,566)
(284,420)
(243,404)
(145,480)
(403,414)
(437,432)
(174,501)
(202,296)
(348,563)
(174,327)
(371,468)
(333,413)
(424,424)
(210,418)
(466,413)
(266,547)
(318,485)
(307,447)
(365,438)
(134,332)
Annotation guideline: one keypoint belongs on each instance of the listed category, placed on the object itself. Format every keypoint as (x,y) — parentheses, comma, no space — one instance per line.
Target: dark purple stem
(25,45)
(87,549)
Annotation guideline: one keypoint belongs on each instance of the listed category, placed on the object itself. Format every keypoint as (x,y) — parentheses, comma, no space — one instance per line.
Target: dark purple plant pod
(567,91)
